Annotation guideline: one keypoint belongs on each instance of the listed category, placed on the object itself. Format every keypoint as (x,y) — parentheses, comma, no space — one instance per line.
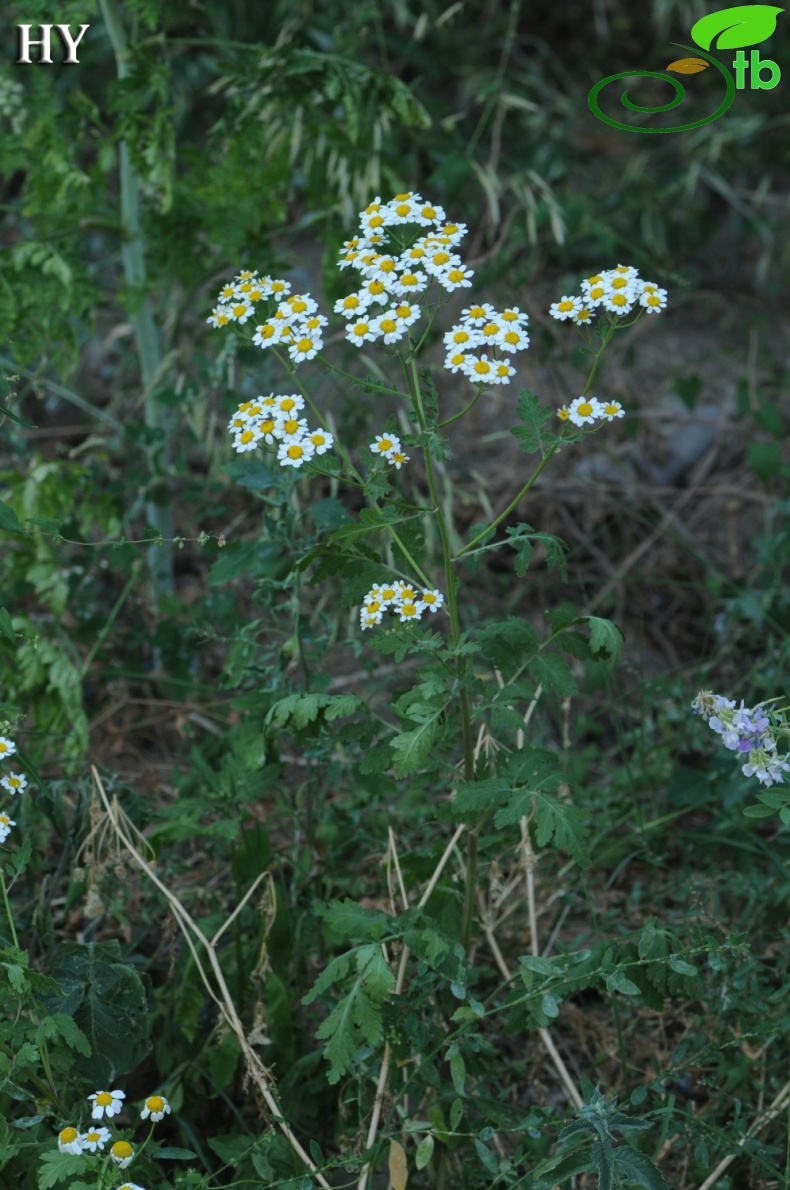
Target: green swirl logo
(731,28)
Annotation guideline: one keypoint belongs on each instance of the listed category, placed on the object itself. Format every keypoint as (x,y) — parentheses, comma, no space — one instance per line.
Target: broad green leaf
(458,1072)
(604,636)
(107,1000)
(733,28)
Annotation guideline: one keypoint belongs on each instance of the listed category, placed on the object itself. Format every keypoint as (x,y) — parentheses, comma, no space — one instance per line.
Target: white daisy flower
(406,312)
(157,1107)
(14,782)
(218,317)
(5,826)
(654,300)
(478,315)
(612,409)
(321,440)
(389,329)
(457,361)
(409,284)
(247,440)
(584,410)
(69,1141)
(240,311)
(94,1138)
(106,1103)
(122,1153)
(291,427)
(361,332)
(566,307)
(512,338)
(305,345)
(350,306)
(385,444)
(295,451)
(7,748)
(432,600)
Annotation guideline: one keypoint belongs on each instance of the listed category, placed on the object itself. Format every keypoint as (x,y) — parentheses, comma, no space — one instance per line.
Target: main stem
(455,634)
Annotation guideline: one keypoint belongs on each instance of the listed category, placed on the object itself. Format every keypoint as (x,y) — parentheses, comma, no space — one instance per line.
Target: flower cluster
(13,783)
(586,410)
(617,290)
(750,731)
(294,323)
(499,335)
(396,269)
(276,421)
(401,599)
(108,1104)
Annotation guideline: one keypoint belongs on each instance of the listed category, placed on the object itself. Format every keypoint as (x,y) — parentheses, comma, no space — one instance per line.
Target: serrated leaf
(531,435)
(353,921)
(412,747)
(638,1168)
(353,1020)
(375,971)
(54,1167)
(553,819)
(734,28)
(604,636)
(398,1166)
(603,1159)
(553,674)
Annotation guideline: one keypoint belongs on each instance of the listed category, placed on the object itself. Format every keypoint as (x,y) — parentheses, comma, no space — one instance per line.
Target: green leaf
(603,1159)
(6,626)
(353,921)
(746,24)
(605,637)
(458,1073)
(54,1167)
(9,521)
(59,1025)
(531,435)
(638,1169)
(424,1151)
(682,968)
(175,1154)
(553,674)
(456,1114)
(553,819)
(488,1158)
(412,747)
(375,971)
(107,1000)
(355,1019)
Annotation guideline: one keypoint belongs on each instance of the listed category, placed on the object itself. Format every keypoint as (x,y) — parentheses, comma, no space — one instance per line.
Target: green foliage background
(256,132)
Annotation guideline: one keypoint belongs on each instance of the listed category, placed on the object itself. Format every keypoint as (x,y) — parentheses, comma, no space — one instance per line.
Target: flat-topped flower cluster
(13,783)
(750,731)
(617,291)
(276,421)
(405,600)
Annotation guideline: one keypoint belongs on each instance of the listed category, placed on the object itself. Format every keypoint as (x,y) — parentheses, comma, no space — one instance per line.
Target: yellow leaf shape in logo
(688,65)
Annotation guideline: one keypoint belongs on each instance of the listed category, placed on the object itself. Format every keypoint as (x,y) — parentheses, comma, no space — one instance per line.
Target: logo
(45,41)
(728,29)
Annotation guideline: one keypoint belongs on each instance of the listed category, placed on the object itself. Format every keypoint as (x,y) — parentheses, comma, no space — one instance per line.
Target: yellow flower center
(461,337)
(585,409)
(565,306)
(295,451)
(351,302)
(491,330)
(291,425)
(298,307)
(376,221)
(268,428)
(385,444)
(104,1099)
(376,287)
(387,266)
(477,312)
(122,1149)
(409,279)
(92,1137)
(246,437)
(68,1135)
(456,275)
(408,609)
(619,282)
(361,329)
(388,326)
(304,344)
(482,367)
(428,597)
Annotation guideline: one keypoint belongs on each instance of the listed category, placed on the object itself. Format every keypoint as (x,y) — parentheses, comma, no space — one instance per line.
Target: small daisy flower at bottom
(95,1138)
(584,411)
(563,413)
(409,611)
(69,1141)
(130,1186)
(295,452)
(106,1103)
(5,827)
(7,748)
(398,458)
(122,1153)
(612,409)
(157,1107)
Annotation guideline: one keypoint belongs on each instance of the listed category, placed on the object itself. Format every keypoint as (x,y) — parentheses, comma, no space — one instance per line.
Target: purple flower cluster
(745,730)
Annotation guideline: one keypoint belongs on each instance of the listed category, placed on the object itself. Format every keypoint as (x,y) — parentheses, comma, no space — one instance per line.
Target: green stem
(455,633)
(8,912)
(510,507)
(159,508)
(448,421)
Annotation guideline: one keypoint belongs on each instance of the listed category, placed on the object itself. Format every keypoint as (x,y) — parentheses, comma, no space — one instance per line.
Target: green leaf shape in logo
(747,24)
